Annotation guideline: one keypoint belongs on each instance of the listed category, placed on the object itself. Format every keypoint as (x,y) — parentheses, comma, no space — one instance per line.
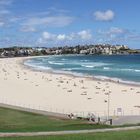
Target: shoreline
(61,93)
(71,74)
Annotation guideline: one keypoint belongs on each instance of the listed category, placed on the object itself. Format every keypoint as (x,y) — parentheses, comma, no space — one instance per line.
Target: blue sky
(52,23)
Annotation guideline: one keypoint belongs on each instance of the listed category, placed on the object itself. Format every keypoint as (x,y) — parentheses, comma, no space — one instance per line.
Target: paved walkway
(126,120)
(17,134)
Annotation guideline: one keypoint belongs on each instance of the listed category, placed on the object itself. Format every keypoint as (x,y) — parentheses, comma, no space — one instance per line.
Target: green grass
(20,121)
(123,135)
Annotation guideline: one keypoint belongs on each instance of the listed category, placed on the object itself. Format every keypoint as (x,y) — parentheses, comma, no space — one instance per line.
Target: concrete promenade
(20,134)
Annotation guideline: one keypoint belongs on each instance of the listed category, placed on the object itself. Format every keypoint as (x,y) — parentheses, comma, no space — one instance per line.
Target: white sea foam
(70,69)
(63,59)
(129,70)
(87,66)
(95,64)
(68,73)
(137,70)
(84,60)
(43,68)
(106,68)
(36,66)
(121,69)
(108,78)
(114,79)
(55,63)
(67,69)
(129,82)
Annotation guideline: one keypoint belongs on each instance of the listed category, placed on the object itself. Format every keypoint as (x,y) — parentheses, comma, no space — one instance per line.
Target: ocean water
(122,68)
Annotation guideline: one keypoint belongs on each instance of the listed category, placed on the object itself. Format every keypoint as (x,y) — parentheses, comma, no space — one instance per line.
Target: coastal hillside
(100,49)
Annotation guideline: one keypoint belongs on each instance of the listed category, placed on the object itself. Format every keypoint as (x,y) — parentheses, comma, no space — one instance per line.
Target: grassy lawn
(123,135)
(20,121)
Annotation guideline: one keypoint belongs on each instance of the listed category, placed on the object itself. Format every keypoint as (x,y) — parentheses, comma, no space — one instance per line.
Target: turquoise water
(125,68)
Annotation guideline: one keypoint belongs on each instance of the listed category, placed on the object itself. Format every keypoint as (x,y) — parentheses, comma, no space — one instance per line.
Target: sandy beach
(21,86)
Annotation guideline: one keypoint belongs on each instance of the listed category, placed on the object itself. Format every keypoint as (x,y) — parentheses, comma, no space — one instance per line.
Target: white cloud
(4,17)
(57,38)
(114,35)
(28,29)
(61,37)
(4,39)
(4,11)
(113,31)
(57,21)
(85,34)
(6,2)
(116,30)
(48,36)
(104,15)
(72,36)
(2,23)
(40,41)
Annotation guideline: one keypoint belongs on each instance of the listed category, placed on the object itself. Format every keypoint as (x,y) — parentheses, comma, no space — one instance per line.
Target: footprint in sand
(83,87)
(61,81)
(131,89)
(25,79)
(124,90)
(69,90)
(74,85)
(83,93)
(98,88)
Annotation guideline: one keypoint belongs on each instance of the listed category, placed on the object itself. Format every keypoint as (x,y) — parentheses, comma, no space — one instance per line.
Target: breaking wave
(125,70)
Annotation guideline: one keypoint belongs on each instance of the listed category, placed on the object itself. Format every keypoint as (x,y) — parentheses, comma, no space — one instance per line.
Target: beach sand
(21,86)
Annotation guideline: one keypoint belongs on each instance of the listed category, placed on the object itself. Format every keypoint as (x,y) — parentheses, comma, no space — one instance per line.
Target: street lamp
(108,105)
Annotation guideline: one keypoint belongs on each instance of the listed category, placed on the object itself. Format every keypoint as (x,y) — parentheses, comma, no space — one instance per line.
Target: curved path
(17,134)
